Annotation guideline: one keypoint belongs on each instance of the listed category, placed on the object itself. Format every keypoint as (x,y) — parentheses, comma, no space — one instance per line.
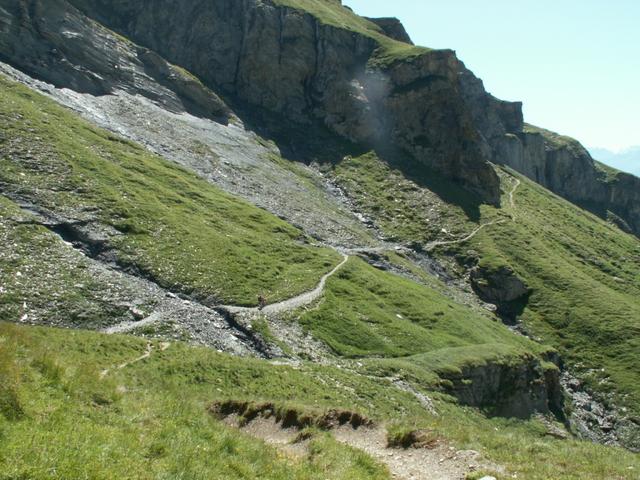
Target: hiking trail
(147,353)
(434,461)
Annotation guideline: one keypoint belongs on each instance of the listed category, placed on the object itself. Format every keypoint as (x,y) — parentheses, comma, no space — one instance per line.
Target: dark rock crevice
(508,389)
(88,237)
(502,288)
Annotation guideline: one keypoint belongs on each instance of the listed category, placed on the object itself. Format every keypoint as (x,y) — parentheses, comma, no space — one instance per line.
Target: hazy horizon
(575,65)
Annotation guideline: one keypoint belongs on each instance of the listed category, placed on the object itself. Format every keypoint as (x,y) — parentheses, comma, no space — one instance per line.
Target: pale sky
(574,63)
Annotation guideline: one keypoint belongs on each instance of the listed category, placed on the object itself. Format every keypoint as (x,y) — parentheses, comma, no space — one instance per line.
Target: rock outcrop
(292,63)
(54,41)
(360,78)
(393,28)
(501,287)
(564,166)
(519,389)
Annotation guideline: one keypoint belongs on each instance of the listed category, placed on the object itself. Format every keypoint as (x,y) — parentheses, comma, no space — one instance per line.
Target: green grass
(36,257)
(366,312)
(331,12)
(584,273)
(132,424)
(150,419)
(405,210)
(585,278)
(185,233)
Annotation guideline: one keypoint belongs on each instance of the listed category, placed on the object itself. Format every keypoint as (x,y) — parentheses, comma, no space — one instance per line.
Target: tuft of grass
(180,230)
(10,405)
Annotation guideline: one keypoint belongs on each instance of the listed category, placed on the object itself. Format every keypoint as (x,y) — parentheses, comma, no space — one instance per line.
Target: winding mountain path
(147,353)
(291,303)
(512,201)
(309,297)
(512,204)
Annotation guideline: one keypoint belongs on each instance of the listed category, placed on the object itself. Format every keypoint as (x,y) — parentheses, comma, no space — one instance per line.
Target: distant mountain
(627,160)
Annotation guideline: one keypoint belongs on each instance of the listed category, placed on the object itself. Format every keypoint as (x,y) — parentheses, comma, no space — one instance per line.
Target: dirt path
(512,203)
(147,353)
(438,462)
(291,303)
(309,297)
(431,245)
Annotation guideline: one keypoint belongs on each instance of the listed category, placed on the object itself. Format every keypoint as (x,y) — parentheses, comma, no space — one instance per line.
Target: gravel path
(440,462)
(431,245)
(147,353)
(291,303)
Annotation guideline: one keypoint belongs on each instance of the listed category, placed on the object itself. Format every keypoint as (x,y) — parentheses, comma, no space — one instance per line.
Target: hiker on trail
(262,302)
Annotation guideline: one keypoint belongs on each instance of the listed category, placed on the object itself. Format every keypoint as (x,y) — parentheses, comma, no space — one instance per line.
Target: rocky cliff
(348,76)
(515,390)
(310,63)
(54,41)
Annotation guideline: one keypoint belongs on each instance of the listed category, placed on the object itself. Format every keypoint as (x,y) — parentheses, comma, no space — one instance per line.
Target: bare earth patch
(434,460)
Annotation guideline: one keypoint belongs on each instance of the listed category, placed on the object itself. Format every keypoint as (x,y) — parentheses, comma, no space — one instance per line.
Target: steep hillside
(124,205)
(309,59)
(186,238)
(85,404)
(562,273)
(82,292)
(306,247)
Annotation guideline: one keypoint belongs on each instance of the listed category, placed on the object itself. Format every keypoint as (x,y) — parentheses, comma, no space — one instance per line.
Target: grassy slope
(64,421)
(331,12)
(369,313)
(37,257)
(402,209)
(187,234)
(59,419)
(585,274)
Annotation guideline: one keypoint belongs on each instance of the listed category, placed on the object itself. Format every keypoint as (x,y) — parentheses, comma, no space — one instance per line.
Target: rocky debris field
(230,156)
(59,285)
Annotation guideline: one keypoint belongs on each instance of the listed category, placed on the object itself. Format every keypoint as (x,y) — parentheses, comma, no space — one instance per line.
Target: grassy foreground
(61,418)
(369,313)
(185,233)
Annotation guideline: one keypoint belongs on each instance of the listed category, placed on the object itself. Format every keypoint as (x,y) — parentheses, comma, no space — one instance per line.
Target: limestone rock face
(290,63)
(564,166)
(498,286)
(393,28)
(285,61)
(518,390)
(54,41)
(501,287)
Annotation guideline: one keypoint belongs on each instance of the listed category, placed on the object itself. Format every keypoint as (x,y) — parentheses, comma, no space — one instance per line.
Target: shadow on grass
(314,143)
